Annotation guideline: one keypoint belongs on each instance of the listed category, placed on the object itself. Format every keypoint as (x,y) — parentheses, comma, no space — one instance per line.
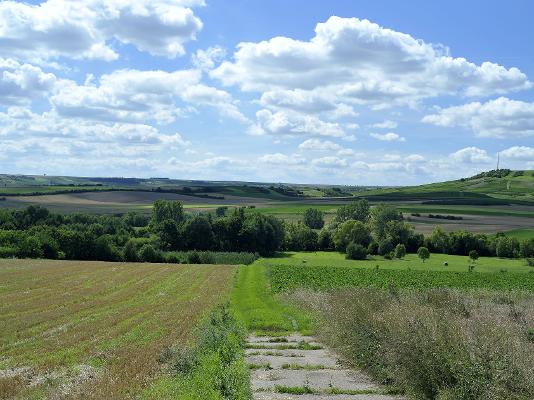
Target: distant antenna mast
(498,160)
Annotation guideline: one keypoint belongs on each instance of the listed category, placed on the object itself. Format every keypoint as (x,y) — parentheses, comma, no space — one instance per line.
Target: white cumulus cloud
(388,137)
(499,118)
(85,29)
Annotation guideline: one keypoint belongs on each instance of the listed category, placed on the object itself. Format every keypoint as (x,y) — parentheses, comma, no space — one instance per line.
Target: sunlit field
(97,329)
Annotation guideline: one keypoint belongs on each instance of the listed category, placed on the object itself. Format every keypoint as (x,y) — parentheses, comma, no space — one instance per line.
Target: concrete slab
(318,380)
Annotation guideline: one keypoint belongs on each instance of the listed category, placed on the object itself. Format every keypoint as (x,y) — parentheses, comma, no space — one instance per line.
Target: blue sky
(341,92)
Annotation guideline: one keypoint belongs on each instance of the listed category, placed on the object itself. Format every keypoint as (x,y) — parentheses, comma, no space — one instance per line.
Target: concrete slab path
(299,367)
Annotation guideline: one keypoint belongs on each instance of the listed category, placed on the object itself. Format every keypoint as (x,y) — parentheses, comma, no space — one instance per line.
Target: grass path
(254,303)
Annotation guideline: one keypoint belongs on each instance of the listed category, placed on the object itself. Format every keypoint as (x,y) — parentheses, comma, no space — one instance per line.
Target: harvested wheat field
(71,329)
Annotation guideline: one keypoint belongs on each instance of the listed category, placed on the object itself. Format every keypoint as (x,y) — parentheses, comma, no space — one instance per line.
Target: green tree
(221,211)
(199,234)
(381,214)
(355,252)
(165,209)
(473,255)
(148,253)
(423,253)
(130,251)
(324,241)
(351,231)
(400,251)
(30,247)
(527,248)
(300,237)
(358,210)
(313,218)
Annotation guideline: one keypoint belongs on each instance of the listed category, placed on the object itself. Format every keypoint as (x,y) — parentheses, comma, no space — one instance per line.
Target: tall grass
(213,369)
(433,344)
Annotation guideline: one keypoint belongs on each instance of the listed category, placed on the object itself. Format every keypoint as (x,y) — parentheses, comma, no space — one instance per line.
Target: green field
(521,234)
(411,261)
(512,187)
(97,329)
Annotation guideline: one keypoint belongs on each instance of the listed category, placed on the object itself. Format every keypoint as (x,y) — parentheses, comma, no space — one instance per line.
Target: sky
(338,92)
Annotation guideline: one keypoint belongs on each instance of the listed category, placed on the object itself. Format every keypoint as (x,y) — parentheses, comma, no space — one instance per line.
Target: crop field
(324,270)
(287,277)
(411,261)
(96,329)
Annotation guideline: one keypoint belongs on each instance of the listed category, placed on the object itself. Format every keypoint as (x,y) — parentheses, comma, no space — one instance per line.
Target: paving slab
(283,396)
(343,379)
(312,358)
(332,374)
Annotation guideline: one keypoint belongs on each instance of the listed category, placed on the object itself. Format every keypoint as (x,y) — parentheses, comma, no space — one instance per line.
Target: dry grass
(434,344)
(96,329)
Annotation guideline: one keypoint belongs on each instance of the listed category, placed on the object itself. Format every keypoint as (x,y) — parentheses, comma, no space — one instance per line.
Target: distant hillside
(487,188)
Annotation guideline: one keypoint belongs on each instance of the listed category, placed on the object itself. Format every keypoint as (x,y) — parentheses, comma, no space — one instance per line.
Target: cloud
(84,29)
(499,118)
(293,123)
(388,137)
(387,124)
(206,59)
(519,153)
(139,96)
(330,162)
(319,145)
(203,95)
(22,129)
(415,158)
(282,159)
(471,155)
(21,83)
(355,61)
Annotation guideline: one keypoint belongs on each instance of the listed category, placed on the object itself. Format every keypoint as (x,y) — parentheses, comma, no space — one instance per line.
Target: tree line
(171,235)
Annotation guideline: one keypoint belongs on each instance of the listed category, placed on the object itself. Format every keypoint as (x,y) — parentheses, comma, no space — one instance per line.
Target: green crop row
(286,277)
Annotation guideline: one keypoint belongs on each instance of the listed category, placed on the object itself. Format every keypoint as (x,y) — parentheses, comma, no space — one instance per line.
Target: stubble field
(71,329)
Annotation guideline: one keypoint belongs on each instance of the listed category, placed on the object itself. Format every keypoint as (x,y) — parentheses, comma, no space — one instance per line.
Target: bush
(356,252)
(530,262)
(473,255)
(400,251)
(8,252)
(147,253)
(423,253)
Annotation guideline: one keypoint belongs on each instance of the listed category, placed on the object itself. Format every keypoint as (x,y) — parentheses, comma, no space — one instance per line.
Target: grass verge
(212,369)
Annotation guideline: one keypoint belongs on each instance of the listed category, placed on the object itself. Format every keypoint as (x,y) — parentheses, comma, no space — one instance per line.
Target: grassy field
(521,234)
(254,304)
(411,261)
(510,187)
(96,329)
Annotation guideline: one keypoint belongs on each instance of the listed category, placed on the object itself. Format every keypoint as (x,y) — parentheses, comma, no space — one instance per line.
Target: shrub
(147,253)
(8,252)
(473,255)
(214,368)
(530,262)
(423,253)
(385,246)
(400,251)
(193,257)
(356,251)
